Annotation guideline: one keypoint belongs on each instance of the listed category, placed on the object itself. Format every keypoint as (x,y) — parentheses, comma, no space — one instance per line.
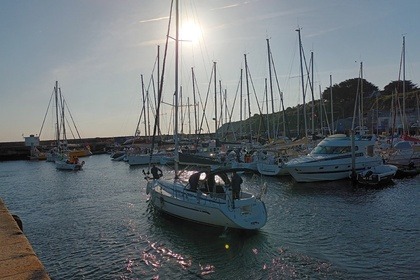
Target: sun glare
(191,32)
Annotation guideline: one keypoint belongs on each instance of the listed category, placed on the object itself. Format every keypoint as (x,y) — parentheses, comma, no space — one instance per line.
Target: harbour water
(98,224)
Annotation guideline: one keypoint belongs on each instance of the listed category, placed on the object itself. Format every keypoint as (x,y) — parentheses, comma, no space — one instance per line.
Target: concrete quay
(18,260)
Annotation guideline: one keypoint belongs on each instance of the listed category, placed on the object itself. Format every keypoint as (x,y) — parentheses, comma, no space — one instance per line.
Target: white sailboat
(217,208)
(61,155)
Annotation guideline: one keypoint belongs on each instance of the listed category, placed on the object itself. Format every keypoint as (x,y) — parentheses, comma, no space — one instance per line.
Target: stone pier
(17,258)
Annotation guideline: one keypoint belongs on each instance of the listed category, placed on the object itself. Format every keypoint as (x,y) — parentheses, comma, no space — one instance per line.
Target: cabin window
(331,150)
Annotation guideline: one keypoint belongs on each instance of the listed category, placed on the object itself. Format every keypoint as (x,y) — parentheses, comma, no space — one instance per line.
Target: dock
(17,258)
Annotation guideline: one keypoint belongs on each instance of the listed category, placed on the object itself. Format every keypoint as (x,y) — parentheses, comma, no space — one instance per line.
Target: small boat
(407,171)
(71,165)
(118,156)
(377,175)
(272,169)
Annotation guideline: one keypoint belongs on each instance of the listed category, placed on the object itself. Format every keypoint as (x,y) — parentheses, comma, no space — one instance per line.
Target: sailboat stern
(249,213)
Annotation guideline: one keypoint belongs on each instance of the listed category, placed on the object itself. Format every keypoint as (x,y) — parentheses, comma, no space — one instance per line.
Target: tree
(398,86)
(346,90)
(344,95)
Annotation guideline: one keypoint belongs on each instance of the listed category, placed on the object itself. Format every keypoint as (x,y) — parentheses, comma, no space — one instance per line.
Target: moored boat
(331,159)
(377,175)
(222,206)
(69,164)
(215,207)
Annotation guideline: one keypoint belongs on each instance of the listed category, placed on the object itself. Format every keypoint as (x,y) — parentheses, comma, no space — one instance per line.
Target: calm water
(97,224)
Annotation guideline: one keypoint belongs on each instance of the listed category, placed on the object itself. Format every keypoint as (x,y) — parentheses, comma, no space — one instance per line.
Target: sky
(98,50)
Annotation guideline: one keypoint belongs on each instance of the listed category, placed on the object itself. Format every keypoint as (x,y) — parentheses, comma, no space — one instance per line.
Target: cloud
(154,19)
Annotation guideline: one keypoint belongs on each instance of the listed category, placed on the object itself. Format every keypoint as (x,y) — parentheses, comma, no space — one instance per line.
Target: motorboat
(214,206)
(377,175)
(332,159)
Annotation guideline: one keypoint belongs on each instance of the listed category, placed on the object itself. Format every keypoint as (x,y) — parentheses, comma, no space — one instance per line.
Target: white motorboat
(332,160)
(215,208)
(377,175)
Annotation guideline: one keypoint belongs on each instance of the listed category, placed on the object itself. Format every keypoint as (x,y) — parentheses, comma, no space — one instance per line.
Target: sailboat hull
(173,199)
(272,169)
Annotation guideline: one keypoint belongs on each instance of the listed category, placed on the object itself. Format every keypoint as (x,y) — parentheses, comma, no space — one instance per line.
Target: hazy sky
(98,49)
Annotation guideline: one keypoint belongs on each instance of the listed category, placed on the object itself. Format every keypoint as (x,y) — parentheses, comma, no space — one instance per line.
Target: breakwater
(18,150)
(17,258)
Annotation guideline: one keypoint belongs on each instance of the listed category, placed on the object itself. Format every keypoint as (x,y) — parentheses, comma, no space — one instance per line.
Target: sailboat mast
(195,102)
(284,113)
(157,86)
(176,88)
(332,108)
(403,66)
(215,100)
(266,105)
(63,119)
(189,116)
(320,110)
(221,105)
(56,115)
(249,103)
(361,122)
(302,81)
(312,92)
(271,85)
(240,111)
(146,132)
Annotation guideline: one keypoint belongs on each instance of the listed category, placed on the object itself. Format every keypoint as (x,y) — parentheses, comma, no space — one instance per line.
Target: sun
(190,32)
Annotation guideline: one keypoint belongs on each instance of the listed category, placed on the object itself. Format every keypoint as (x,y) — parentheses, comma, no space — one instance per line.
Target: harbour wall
(17,258)
(18,150)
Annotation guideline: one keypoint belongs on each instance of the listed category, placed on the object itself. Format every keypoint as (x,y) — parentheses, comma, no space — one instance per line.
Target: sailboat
(185,200)
(405,153)
(64,157)
(61,147)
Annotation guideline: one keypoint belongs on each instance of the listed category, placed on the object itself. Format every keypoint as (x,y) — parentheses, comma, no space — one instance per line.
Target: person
(211,182)
(236,185)
(193,181)
(156,172)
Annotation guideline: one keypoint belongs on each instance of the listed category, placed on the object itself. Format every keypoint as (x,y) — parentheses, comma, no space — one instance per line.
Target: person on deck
(193,181)
(236,185)
(156,172)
